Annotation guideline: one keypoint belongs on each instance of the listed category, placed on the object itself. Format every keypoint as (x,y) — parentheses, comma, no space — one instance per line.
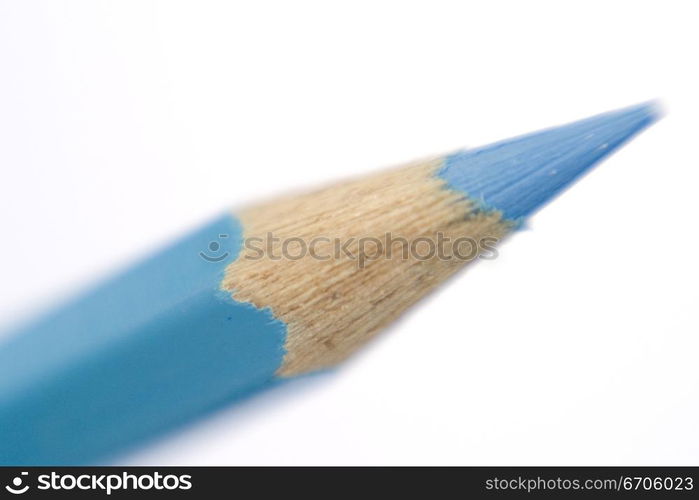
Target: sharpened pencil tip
(519,175)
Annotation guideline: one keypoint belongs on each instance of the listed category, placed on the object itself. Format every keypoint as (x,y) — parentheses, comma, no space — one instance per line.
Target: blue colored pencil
(275,291)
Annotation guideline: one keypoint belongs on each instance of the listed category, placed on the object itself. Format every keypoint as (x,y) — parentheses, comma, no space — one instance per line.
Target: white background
(124,124)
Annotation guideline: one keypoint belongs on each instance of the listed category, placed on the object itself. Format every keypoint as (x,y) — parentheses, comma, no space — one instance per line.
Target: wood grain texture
(334,305)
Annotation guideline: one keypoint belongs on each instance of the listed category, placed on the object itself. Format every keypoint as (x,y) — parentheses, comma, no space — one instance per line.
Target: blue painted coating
(144,352)
(520,175)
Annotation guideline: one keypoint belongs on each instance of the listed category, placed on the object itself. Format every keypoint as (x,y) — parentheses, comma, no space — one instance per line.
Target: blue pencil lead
(519,175)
